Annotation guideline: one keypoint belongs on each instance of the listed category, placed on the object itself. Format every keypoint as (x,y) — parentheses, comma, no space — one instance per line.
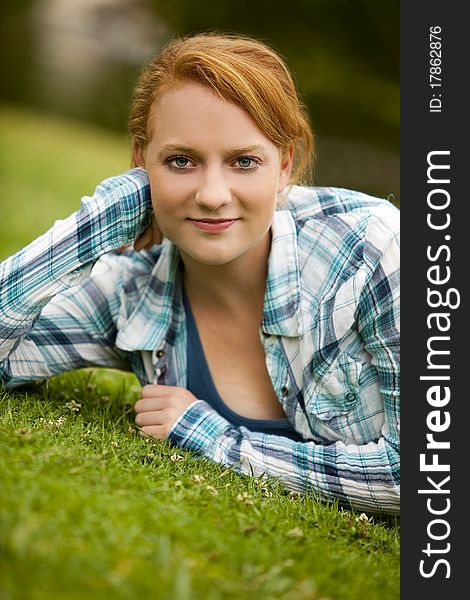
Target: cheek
(167,193)
(257,185)
(262,195)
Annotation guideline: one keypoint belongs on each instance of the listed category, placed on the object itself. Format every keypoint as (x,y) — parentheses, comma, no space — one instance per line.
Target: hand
(159,408)
(151,235)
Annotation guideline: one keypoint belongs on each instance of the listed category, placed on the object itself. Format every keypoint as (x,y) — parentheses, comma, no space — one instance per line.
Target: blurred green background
(79,59)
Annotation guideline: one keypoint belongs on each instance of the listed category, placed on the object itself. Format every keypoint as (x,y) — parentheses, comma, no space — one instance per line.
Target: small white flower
(50,424)
(295,494)
(176,457)
(262,483)
(198,478)
(245,498)
(289,563)
(73,406)
(362,518)
(296,532)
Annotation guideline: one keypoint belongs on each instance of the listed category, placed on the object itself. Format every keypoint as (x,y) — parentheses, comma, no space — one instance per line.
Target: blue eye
(247,162)
(179,161)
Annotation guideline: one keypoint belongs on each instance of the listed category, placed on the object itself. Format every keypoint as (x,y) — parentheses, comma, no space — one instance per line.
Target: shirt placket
(277,370)
(159,364)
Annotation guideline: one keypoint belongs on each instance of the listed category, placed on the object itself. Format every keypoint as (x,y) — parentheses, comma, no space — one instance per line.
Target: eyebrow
(235,152)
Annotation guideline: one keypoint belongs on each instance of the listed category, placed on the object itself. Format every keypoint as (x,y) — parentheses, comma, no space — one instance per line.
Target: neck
(237,285)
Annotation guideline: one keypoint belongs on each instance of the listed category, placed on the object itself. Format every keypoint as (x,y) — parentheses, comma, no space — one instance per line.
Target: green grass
(46,165)
(88,508)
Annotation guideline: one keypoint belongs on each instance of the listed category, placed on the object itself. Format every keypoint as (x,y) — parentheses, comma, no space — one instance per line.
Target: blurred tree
(344,53)
(345,58)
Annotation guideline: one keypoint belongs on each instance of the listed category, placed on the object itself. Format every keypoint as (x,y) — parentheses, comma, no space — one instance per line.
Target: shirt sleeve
(46,327)
(365,477)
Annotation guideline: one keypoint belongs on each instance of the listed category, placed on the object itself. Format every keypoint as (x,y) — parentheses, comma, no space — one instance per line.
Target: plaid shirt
(330,331)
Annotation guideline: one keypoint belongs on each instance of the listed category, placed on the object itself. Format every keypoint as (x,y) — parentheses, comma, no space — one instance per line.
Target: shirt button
(350,396)
(160,353)
(285,391)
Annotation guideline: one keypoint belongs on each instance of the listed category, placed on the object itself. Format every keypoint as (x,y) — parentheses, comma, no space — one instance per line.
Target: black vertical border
(422,132)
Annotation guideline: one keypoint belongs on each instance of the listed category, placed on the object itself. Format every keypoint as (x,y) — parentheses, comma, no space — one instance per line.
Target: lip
(213,225)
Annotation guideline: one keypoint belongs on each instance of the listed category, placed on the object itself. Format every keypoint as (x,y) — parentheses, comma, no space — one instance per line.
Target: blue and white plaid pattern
(330,331)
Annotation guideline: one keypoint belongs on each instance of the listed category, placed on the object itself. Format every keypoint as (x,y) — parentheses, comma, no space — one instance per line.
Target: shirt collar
(160,301)
(148,326)
(282,296)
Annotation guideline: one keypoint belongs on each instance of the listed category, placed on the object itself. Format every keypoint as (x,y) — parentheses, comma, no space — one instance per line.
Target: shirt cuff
(135,203)
(198,428)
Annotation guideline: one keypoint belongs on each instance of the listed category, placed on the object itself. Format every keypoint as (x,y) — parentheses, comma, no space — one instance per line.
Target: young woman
(260,316)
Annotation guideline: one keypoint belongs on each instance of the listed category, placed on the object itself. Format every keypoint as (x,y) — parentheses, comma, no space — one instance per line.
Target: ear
(287,162)
(138,157)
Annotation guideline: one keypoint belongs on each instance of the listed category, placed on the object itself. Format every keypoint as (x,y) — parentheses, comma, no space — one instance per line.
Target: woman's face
(214,175)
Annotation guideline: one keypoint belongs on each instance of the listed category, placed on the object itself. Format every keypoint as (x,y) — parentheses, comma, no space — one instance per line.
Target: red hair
(241,70)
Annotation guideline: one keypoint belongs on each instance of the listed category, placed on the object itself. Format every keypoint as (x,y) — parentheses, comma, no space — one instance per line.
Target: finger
(161,390)
(144,419)
(149,405)
(121,249)
(150,236)
(144,240)
(160,432)
(156,233)
(156,391)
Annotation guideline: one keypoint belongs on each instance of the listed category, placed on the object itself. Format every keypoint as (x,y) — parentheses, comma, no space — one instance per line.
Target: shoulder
(338,220)
(306,203)
(341,237)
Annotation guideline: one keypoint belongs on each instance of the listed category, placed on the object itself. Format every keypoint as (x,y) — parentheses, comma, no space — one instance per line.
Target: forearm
(65,254)
(365,477)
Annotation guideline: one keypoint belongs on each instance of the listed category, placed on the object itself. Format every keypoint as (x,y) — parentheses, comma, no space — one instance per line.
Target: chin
(211,256)
(214,259)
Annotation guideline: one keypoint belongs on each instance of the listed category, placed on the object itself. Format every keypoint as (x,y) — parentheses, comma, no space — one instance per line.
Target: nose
(213,190)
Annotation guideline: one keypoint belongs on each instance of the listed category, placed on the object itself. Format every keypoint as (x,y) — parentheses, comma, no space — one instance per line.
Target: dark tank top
(200,384)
